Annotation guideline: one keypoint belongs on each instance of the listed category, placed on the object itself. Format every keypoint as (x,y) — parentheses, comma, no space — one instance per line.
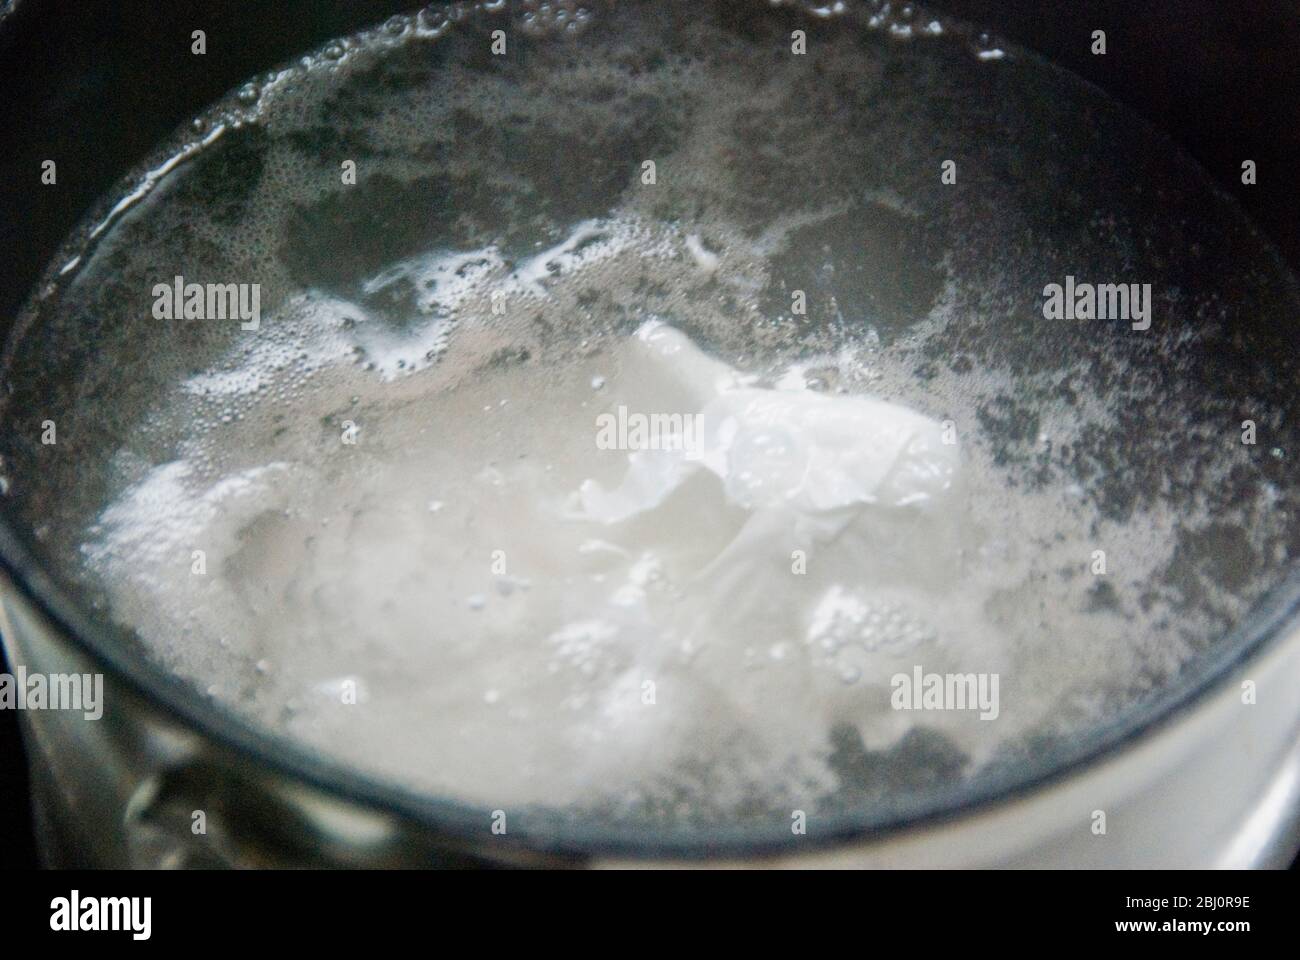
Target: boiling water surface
(387,523)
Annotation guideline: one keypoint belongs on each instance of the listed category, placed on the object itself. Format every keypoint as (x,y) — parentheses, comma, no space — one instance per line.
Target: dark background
(93,84)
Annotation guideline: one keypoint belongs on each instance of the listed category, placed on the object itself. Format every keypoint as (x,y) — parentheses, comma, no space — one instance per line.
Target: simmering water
(409,519)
